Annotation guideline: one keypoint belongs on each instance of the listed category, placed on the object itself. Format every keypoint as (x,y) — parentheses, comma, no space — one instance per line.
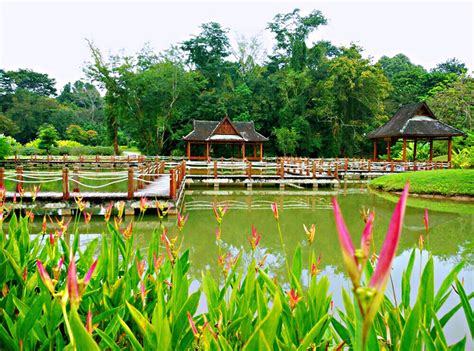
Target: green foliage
(287,140)
(463,158)
(48,137)
(5,147)
(443,182)
(142,299)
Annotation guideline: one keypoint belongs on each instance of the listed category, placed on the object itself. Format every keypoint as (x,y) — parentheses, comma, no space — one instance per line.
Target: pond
(450,238)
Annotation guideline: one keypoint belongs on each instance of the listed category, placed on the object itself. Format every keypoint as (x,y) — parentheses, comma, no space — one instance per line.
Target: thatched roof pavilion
(225,132)
(414,122)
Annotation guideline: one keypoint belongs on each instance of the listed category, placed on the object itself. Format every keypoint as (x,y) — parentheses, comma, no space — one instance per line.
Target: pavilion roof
(414,121)
(224,131)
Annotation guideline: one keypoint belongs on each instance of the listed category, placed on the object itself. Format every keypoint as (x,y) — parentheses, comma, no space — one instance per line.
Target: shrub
(5,147)
(68,143)
(30,151)
(48,137)
(33,143)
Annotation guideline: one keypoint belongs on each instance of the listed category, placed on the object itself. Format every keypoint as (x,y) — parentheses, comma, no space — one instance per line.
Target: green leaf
(268,326)
(315,334)
(108,340)
(131,336)
(466,307)
(429,343)
(446,284)
(297,266)
(406,277)
(459,346)
(82,338)
(410,329)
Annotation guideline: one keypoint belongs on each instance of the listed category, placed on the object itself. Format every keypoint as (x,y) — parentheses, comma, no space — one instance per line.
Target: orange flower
(254,240)
(294,298)
(310,233)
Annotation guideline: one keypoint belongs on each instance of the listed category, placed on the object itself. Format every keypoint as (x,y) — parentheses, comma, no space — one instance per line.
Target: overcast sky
(50,37)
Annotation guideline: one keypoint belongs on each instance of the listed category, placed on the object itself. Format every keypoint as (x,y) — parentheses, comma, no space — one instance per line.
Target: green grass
(439,182)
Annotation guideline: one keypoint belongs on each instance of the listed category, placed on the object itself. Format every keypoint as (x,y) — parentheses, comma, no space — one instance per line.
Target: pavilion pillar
(414,150)
(450,149)
(207,151)
(388,150)
(188,150)
(431,150)
(255,151)
(404,152)
(375,150)
(261,151)
(243,151)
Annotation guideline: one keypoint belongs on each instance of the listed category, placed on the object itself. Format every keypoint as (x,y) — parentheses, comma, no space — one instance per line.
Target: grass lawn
(448,182)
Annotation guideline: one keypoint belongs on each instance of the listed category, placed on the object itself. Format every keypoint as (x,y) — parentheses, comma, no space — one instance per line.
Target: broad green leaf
(446,284)
(315,334)
(466,307)
(82,338)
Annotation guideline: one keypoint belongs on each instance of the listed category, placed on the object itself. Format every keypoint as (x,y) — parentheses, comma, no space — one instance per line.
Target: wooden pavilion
(414,122)
(240,134)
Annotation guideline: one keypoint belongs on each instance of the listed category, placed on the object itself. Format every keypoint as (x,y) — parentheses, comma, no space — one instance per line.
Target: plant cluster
(112,295)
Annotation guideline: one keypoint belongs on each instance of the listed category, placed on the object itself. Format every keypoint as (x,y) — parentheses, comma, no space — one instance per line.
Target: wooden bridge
(164,179)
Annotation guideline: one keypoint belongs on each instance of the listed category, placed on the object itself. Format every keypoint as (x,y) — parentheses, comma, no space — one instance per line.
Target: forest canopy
(312,99)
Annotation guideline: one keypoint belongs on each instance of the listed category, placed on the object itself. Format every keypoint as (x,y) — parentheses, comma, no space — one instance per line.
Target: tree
(75,133)
(208,50)
(452,65)
(5,148)
(455,103)
(7,126)
(48,137)
(286,139)
(25,79)
(291,31)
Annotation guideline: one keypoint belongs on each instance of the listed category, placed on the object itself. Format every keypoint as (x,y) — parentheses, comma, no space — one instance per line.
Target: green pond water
(450,238)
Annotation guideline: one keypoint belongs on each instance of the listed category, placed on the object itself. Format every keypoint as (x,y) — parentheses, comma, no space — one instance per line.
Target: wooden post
(215,169)
(243,151)
(431,150)
(261,151)
(2,177)
(255,151)
(188,152)
(369,166)
(75,176)
(450,149)
(172,184)
(65,183)
(130,184)
(207,151)
(346,164)
(374,158)
(391,166)
(19,176)
(388,150)
(250,170)
(314,169)
(414,150)
(282,169)
(140,177)
(404,152)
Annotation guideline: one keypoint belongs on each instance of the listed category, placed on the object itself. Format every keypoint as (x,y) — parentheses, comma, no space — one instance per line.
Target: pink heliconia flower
(347,247)
(60,263)
(426,220)
(157,261)
(72,284)
(143,292)
(193,326)
(143,204)
(91,270)
(141,265)
(45,277)
(387,254)
(24,274)
(52,241)
(89,322)
(219,211)
(166,242)
(275,210)
(254,240)
(366,239)
(181,220)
